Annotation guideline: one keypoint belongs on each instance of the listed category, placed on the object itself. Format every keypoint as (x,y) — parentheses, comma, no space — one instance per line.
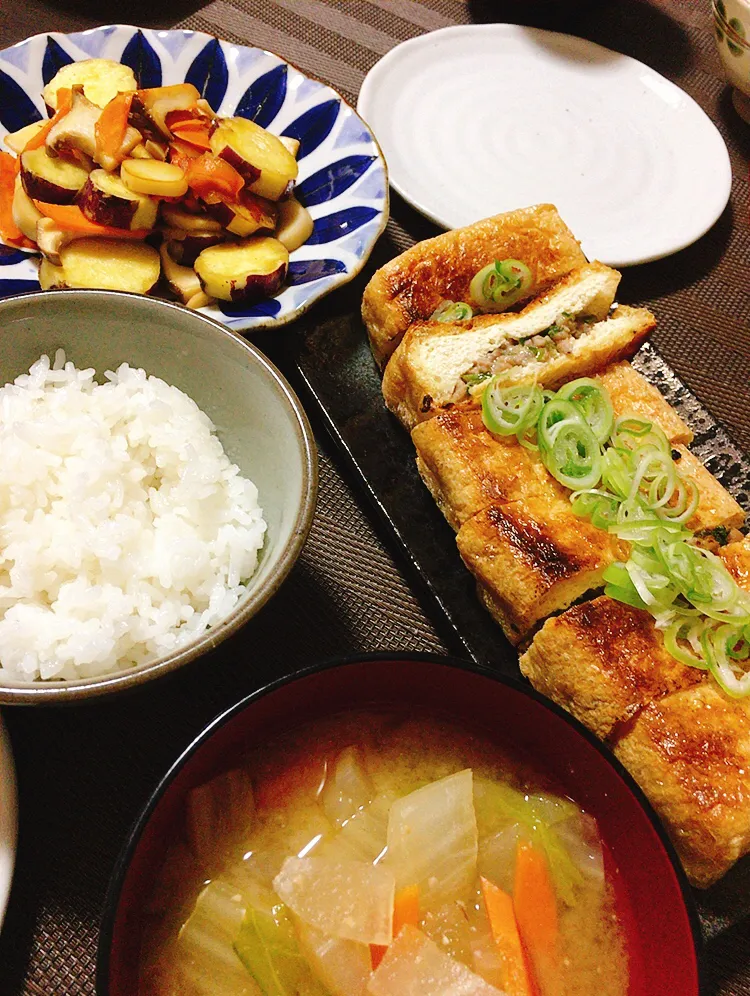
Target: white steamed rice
(125,531)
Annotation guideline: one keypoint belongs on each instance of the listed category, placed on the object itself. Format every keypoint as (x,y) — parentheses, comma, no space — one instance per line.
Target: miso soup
(383,855)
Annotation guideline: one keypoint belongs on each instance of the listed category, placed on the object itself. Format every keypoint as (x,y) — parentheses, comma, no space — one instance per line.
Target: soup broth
(386,855)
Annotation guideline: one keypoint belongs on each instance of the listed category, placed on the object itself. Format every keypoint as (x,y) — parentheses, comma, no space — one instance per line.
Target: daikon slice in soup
(384,855)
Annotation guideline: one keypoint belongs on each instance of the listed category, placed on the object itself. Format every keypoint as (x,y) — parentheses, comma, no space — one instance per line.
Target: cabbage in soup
(378,855)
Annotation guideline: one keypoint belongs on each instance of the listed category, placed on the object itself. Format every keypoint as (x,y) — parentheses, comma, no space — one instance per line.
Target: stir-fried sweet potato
(115,164)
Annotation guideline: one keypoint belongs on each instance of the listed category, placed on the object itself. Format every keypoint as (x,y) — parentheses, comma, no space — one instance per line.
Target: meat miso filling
(540,347)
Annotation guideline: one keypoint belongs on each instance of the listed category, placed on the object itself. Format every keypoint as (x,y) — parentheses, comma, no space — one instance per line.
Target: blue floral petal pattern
(208,73)
(263,309)
(10,255)
(313,127)
(264,98)
(332,180)
(10,287)
(16,109)
(55,57)
(334,226)
(143,60)
(304,272)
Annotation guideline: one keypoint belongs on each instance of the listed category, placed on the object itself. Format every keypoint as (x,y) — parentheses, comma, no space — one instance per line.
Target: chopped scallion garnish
(624,478)
(499,285)
(452,311)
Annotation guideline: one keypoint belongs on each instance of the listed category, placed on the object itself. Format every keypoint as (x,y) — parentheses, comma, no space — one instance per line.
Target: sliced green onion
(510,411)
(556,412)
(593,401)
(691,500)
(714,645)
(499,285)
(616,475)
(568,447)
(598,506)
(624,480)
(572,455)
(617,574)
(674,643)
(452,311)
(472,379)
(628,424)
(629,432)
(620,587)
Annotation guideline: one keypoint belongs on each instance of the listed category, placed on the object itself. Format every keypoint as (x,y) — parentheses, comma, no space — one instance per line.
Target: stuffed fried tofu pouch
(684,741)
(467,468)
(412,286)
(604,662)
(690,753)
(564,333)
(532,558)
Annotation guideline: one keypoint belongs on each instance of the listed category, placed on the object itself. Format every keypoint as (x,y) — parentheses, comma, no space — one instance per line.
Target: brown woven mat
(85,773)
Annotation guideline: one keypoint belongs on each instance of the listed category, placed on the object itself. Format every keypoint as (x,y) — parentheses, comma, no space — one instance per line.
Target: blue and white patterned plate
(342,174)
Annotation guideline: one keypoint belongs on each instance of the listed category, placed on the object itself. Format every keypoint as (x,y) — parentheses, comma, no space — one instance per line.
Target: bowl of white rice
(157,483)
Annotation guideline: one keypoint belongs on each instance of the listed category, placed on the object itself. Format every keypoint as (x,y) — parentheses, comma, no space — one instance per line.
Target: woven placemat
(85,773)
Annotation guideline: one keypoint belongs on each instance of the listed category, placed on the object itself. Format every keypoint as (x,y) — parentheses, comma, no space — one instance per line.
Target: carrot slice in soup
(535,907)
(502,917)
(405,910)
(194,132)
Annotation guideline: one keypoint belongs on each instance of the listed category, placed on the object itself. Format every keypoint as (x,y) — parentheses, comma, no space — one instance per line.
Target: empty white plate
(8,818)
(478,119)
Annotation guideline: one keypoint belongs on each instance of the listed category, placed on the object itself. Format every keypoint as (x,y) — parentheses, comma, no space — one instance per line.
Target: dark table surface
(84,773)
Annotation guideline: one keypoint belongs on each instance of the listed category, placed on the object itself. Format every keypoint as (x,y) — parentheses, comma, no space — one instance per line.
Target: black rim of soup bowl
(76,690)
(122,865)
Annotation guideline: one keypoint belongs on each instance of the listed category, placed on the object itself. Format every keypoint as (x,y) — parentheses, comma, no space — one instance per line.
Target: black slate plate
(331,363)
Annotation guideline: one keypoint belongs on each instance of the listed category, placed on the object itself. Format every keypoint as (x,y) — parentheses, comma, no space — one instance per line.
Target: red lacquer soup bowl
(653,898)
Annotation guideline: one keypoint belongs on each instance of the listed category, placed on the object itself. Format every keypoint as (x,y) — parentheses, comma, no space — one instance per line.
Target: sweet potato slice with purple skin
(267,167)
(243,271)
(109,264)
(250,214)
(106,200)
(54,181)
(150,108)
(186,247)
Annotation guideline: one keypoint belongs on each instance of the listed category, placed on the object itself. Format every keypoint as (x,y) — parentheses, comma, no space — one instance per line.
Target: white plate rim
(8,818)
(374,76)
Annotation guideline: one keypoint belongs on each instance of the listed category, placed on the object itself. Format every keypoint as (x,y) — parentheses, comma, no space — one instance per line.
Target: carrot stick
(9,230)
(405,911)
(112,124)
(64,103)
(209,174)
(71,218)
(504,929)
(535,907)
(193,132)
(181,152)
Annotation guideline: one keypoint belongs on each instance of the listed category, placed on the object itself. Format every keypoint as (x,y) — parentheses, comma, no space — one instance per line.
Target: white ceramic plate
(480,119)
(8,819)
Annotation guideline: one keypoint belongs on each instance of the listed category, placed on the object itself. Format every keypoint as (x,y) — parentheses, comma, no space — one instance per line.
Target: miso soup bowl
(653,898)
(256,414)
